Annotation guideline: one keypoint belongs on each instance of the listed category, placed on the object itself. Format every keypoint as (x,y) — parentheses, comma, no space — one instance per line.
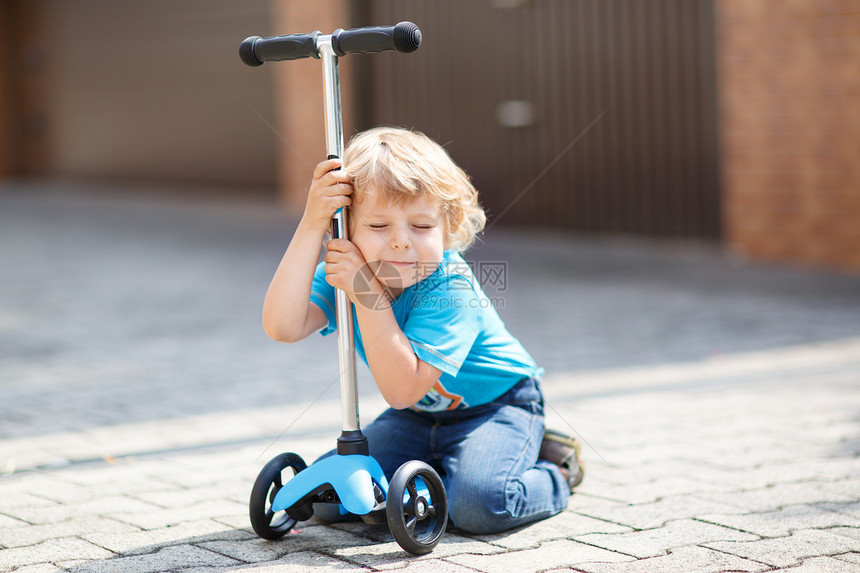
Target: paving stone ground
(719,399)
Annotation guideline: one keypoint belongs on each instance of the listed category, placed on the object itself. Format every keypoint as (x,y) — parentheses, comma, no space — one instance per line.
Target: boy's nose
(400,240)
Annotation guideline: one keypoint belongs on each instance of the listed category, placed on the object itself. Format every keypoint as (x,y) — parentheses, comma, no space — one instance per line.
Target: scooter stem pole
(343,308)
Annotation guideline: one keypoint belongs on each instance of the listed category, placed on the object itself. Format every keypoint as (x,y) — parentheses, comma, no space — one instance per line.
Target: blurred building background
(728,121)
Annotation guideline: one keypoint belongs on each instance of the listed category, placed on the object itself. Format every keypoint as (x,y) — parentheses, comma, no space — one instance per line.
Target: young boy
(464,393)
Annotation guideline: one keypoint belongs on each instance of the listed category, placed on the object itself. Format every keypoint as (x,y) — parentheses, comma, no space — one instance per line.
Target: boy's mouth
(400,263)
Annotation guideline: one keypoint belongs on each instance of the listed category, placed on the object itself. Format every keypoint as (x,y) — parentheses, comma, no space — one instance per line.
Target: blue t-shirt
(453,326)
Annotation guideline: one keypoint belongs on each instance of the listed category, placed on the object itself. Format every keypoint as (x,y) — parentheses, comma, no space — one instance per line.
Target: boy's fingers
(339,245)
(325,167)
(340,188)
(342,246)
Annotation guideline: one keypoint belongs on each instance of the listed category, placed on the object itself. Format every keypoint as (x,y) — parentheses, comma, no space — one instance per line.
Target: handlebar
(256,50)
(404,37)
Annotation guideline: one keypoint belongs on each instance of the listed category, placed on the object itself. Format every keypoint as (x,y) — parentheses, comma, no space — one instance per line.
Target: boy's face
(409,236)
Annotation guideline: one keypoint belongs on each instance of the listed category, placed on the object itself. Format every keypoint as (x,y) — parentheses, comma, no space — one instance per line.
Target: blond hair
(400,164)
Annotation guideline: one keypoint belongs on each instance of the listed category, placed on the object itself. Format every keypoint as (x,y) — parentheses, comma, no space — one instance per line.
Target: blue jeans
(486,456)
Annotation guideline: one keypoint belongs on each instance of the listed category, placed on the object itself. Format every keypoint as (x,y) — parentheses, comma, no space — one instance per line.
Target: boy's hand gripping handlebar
(404,37)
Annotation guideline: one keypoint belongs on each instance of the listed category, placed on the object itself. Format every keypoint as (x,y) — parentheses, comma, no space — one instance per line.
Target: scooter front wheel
(417,507)
(267,523)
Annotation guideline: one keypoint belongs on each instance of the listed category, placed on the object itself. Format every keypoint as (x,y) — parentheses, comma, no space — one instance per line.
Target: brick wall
(789,81)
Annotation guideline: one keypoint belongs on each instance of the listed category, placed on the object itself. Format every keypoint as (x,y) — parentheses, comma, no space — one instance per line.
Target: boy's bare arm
(288,314)
(402,377)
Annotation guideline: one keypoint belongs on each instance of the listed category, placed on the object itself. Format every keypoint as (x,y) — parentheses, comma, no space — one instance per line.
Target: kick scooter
(414,504)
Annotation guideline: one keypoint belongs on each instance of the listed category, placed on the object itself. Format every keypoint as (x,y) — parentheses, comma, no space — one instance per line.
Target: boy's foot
(563,451)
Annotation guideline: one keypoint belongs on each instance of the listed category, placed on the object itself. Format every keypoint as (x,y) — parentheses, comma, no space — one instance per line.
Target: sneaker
(563,451)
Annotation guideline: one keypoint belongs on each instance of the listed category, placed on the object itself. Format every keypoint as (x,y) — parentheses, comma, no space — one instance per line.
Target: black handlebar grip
(404,37)
(256,50)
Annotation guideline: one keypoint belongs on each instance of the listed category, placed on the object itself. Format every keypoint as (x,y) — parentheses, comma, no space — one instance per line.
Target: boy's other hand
(343,261)
(331,189)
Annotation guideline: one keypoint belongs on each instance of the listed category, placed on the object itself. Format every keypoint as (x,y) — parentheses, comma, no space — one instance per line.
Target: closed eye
(423,227)
(377,225)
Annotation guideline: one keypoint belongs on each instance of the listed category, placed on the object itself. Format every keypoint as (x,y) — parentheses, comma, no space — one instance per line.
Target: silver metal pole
(343,308)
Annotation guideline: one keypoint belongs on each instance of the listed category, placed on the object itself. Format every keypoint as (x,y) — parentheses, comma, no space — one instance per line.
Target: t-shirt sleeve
(322,295)
(443,324)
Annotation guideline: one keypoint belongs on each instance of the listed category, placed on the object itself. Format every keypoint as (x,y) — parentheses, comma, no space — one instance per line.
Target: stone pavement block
(106,507)
(432,565)
(178,498)
(648,472)
(783,522)
(846,487)
(829,432)
(137,541)
(562,526)
(7,522)
(731,458)
(684,559)
(776,496)
(314,538)
(766,475)
(19,484)
(852,532)
(648,433)
(372,554)
(382,552)
(593,506)
(235,521)
(40,568)
(635,455)
(123,473)
(51,551)
(551,555)
(456,544)
(672,508)
(61,491)
(251,550)
(159,518)
(203,477)
(853,557)
(298,562)
(789,551)
(168,559)
(14,500)
(648,492)
(673,535)
(823,565)
(374,533)
(851,507)
(756,449)
(834,468)
(33,534)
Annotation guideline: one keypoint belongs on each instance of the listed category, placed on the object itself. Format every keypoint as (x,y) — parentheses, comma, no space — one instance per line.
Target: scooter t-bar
(254,51)
(404,37)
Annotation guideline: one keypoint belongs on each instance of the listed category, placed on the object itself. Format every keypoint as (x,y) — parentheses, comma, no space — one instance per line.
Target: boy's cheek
(365,253)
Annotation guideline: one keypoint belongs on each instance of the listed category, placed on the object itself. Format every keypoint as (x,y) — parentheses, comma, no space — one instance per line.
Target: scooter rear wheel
(267,523)
(417,507)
